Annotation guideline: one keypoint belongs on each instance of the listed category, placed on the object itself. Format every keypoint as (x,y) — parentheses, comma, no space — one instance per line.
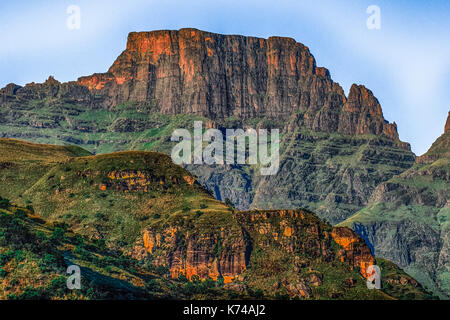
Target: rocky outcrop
(361,114)
(228,253)
(334,150)
(51,88)
(221,76)
(190,253)
(355,250)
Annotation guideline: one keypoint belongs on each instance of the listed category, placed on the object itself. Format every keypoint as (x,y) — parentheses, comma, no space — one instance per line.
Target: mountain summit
(219,76)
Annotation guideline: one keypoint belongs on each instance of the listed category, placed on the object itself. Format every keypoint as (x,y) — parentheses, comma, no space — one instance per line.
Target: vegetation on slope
(93,211)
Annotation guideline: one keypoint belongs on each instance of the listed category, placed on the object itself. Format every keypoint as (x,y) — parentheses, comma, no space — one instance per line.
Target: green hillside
(407,219)
(141,227)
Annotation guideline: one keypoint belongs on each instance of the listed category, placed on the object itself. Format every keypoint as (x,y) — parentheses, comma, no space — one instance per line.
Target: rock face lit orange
(218,76)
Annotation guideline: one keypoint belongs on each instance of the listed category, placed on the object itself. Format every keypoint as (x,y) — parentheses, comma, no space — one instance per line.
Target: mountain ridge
(406,218)
(220,76)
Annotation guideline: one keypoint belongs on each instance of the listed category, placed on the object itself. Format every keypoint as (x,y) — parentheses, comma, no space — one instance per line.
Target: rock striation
(220,76)
(407,218)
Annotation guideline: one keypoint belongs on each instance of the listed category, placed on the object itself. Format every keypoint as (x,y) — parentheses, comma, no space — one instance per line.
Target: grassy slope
(34,256)
(68,193)
(69,190)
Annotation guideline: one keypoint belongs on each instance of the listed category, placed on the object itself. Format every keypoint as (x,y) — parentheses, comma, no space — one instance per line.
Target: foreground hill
(141,227)
(335,149)
(407,220)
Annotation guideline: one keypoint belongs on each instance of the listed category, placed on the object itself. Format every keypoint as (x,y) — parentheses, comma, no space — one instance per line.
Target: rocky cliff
(407,218)
(220,76)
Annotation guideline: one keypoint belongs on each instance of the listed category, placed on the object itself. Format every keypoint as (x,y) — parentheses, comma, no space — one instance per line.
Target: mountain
(140,227)
(334,149)
(407,218)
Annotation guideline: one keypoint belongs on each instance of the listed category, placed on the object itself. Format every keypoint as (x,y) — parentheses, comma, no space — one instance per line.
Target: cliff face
(355,250)
(334,150)
(220,76)
(203,255)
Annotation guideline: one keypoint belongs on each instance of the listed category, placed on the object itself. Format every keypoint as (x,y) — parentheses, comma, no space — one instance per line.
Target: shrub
(4,203)
(100,216)
(152,285)
(162,270)
(31,294)
(58,286)
(198,214)
(5,257)
(57,235)
(12,296)
(21,214)
(258,293)
(19,255)
(49,260)
(182,277)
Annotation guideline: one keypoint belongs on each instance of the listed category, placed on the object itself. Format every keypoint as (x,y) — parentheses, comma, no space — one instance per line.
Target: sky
(405,62)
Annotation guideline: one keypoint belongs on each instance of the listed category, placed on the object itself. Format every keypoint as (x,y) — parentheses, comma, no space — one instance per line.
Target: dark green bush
(4,203)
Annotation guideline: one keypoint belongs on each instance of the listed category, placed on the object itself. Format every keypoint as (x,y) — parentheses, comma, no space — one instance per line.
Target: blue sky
(406,63)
